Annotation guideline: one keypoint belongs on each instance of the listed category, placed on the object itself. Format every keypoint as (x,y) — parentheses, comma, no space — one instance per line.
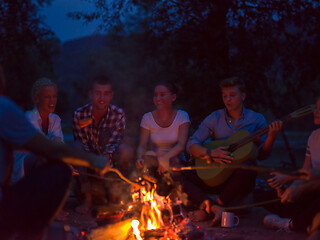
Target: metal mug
(229,220)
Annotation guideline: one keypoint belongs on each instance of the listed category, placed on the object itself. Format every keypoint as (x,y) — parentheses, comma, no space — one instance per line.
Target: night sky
(64,27)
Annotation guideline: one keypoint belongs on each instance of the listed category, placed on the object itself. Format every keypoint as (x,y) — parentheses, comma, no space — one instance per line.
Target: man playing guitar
(221,124)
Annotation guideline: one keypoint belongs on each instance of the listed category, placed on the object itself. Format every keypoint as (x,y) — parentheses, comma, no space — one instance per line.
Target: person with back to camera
(166,129)
(219,125)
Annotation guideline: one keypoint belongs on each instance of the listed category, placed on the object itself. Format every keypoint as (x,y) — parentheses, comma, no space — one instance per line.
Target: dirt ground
(250,226)
(251,222)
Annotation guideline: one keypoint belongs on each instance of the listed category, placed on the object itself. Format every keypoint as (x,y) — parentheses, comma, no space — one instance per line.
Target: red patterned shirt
(103,139)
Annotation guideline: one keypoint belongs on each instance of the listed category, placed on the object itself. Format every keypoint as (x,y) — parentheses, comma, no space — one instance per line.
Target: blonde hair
(41,83)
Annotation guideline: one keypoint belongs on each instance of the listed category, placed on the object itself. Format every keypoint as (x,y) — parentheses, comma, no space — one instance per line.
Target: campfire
(156,216)
(151,216)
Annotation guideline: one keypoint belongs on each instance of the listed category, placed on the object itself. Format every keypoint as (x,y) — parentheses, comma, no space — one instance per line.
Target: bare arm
(280,179)
(197,150)
(144,138)
(56,151)
(307,163)
(219,155)
(274,128)
(298,188)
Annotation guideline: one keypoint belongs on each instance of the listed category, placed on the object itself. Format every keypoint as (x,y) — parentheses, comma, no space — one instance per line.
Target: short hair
(233,82)
(102,80)
(2,81)
(170,85)
(40,84)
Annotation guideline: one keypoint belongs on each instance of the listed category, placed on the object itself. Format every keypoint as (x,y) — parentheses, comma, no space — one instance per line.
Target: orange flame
(136,232)
(150,217)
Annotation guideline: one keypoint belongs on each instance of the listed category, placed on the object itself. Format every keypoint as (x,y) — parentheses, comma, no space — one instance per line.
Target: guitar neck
(252,137)
(294,115)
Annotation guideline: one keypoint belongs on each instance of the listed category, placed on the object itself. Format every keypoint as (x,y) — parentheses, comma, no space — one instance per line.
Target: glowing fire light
(136,232)
(150,217)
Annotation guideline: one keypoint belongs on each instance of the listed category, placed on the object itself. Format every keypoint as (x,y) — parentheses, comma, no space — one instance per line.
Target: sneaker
(275,222)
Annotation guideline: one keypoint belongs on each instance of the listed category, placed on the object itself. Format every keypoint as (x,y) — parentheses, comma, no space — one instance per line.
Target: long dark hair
(170,85)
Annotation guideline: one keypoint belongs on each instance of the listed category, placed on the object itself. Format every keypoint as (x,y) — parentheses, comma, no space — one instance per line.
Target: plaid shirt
(103,138)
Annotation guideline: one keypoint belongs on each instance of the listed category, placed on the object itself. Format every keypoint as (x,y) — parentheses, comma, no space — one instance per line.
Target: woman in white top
(165,128)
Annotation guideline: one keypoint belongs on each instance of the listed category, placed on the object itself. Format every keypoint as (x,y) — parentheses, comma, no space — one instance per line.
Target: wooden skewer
(251,205)
(134,184)
(240,166)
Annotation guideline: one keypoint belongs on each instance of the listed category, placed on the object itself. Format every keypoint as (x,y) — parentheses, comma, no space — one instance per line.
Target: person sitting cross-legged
(98,127)
(220,125)
(166,129)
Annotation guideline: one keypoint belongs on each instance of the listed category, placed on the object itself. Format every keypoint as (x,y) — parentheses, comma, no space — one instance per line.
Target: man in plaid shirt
(99,126)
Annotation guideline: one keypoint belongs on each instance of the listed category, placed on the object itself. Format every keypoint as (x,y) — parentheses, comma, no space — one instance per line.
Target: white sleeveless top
(164,138)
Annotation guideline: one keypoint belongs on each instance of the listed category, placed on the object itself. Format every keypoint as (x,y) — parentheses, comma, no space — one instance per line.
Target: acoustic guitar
(242,147)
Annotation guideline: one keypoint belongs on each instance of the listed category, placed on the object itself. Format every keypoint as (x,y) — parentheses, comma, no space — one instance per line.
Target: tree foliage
(271,44)
(26,46)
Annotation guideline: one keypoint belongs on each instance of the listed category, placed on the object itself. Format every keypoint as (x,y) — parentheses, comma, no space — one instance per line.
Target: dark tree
(26,46)
(271,44)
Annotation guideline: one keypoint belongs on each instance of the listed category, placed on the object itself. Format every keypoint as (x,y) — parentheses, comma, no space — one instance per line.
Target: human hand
(220,155)
(107,166)
(73,170)
(163,164)
(217,211)
(278,180)
(139,163)
(293,192)
(274,128)
(309,174)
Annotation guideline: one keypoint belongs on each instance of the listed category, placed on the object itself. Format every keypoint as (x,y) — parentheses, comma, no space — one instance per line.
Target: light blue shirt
(220,125)
(15,132)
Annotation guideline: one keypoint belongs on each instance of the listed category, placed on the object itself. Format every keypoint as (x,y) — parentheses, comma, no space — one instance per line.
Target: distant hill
(71,67)
(72,61)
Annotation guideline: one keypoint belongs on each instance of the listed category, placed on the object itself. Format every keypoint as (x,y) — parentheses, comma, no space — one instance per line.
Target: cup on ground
(229,220)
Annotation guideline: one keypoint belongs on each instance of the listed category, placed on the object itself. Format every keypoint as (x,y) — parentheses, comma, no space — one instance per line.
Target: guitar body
(216,176)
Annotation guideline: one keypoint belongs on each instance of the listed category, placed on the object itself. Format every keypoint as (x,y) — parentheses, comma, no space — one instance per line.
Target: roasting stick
(240,166)
(133,184)
(251,205)
(77,162)
(138,186)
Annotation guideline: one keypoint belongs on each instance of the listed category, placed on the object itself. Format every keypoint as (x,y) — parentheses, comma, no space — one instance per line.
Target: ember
(151,216)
